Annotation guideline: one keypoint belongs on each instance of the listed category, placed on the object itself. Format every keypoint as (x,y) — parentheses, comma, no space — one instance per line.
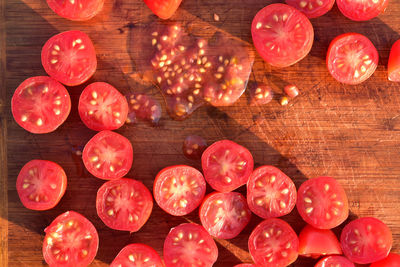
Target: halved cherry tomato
(163,8)
(312,8)
(315,242)
(394,63)
(334,261)
(108,155)
(179,189)
(124,204)
(366,240)
(102,107)
(322,202)
(69,57)
(224,215)
(41,184)
(273,243)
(226,165)
(270,192)
(76,9)
(362,10)
(282,35)
(392,260)
(188,244)
(351,58)
(137,255)
(71,240)
(40,104)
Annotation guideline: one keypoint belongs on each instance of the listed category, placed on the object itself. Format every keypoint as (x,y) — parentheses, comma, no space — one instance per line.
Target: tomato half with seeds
(392,260)
(282,35)
(179,189)
(334,261)
(366,240)
(273,243)
(108,155)
(78,10)
(188,244)
(394,63)
(352,58)
(322,202)
(270,192)
(137,255)
(71,240)
(362,10)
(40,104)
(226,165)
(69,57)
(102,107)
(163,8)
(312,8)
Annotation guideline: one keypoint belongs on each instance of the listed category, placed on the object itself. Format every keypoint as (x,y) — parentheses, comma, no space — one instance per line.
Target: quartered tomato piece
(334,261)
(282,35)
(69,57)
(312,8)
(76,9)
(102,107)
(270,192)
(40,104)
(41,184)
(260,94)
(291,90)
(144,107)
(366,240)
(362,10)
(273,243)
(124,204)
(108,155)
(163,8)
(179,189)
(189,244)
(351,58)
(194,146)
(137,255)
(224,215)
(71,240)
(392,260)
(394,63)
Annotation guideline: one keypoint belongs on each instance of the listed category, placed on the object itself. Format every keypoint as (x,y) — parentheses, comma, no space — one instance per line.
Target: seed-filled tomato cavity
(189,244)
(137,255)
(194,146)
(71,240)
(179,189)
(76,9)
(392,260)
(144,107)
(394,63)
(260,94)
(362,10)
(312,8)
(334,261)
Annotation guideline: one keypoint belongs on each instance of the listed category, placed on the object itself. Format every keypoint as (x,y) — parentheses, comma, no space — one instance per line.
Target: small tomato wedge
(392,260)
(164,9)
(366,240)
(188,244)
(334,261)
(78,10)
(226,165)
(362,10)
(312,8)
(124,204)
(394,63)
(137,255)
(179,189)
(71,240)
(40,104)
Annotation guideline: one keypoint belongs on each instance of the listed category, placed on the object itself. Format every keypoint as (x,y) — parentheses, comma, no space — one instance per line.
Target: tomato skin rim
(62,13)
(323,260)
(372,15)
(317,13)
(133,246)
(161,15)
(394,62)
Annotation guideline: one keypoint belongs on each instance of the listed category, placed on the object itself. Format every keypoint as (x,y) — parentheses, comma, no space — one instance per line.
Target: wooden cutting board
(349,132)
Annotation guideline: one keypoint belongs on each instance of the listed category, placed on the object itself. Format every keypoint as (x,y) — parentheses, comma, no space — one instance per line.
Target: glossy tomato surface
(163,8)
(40,104)
(394,63)
(108,155)
(76,9)
(245,265)
(282,35)
(71,241)
(392,260)
(69,57)
(226,165)
(312,8)
(362,10)
(137,255)
(334,261)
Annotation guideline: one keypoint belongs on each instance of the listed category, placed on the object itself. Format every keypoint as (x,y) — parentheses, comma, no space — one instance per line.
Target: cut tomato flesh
(312,8)
(139,255)
(392,260)
(360,10)
(260,94)
(334,261)
(78,10)
(144,107)
(394,63)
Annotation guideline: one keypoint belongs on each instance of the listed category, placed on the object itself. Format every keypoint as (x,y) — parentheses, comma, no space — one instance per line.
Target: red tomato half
(393,260)
(69,57)
(102,107)
(245,265)
(282,35)
(226,165)
(41,184)
(270,192)
(352,58)
(312,8)
(108,155)
(273,243)
(322,202)
(137,255)
(71,241)
(224,215)
(362,10)
(179,189)
(40,104)
(188,244)
(76,9)
(366,240)
(163,8)
(394,63)
(334,261)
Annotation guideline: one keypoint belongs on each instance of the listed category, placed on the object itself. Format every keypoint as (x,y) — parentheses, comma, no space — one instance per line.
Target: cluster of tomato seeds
(194,146)
(260,94)
(144,107)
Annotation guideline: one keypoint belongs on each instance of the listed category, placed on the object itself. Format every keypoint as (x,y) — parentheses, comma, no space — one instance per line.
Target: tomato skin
(245,265)
(68,10)
(394,63)
(312,12)
(362,11)
(392,260)
(334,261)
(164,9)
(139,253)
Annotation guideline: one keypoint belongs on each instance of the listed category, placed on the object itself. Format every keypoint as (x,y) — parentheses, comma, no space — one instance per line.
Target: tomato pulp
(78,10)
(312,8)
(334,261)
(362,10)
(139,255)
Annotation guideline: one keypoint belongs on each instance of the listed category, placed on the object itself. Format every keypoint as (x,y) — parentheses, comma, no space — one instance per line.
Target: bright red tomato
(366,240)
(394,63)
(40,104)
(322,202)
(245,265)
(315,242)
(71,240)
(273,243)
(334,261)
(163,8)
(362,10)
(226,165)
(270,192)
(188,244)
(102,107)
(108,155)
(312,8)
(137,255)
(392,260)
(282,35)
(69,57)
(351,58)
(224,215)
(179,189)
(76,9)
(260,94)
